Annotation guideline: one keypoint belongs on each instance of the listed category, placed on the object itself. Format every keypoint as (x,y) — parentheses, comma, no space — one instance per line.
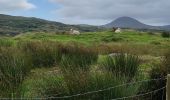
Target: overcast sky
(94,12)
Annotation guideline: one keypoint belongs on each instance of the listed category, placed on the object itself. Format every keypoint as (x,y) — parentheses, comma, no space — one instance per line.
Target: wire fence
(101,90)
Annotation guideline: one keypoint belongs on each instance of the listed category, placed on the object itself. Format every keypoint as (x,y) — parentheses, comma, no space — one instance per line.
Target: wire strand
(91,92)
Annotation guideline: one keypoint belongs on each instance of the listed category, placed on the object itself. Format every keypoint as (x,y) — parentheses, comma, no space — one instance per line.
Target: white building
(74,32)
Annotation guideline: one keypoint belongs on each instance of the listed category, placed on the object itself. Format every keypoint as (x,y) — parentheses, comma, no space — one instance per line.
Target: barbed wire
(141,94)
(91,92)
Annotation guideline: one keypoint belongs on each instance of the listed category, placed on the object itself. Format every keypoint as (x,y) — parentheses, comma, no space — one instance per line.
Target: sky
(92,12)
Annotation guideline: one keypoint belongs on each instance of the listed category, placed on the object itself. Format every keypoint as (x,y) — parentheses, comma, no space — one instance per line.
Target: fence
(133,97)
(168,88)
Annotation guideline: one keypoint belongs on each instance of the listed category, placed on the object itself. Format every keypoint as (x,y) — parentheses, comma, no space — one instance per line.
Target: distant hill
(17,24)
(128,22)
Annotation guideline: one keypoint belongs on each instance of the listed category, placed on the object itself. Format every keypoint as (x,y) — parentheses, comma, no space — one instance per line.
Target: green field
(46,64)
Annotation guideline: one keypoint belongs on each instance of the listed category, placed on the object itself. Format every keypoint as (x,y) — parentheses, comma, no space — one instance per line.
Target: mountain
(128,22)
(166,27)
(13,25)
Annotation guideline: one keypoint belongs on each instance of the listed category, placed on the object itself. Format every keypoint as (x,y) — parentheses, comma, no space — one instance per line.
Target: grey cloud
(107,10)
(14,5)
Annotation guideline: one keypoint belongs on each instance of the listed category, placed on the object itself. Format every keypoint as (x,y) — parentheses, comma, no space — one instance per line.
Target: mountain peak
(126,22)
(125,17)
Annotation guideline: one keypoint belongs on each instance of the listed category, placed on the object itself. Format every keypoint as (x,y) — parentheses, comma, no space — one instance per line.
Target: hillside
(127,22)
(13,25)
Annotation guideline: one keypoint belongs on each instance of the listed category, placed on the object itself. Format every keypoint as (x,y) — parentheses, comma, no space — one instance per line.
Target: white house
(118,30)
(74,32)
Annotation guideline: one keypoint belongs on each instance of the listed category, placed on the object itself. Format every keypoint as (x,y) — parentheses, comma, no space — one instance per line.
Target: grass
(43,53)
(122,65)
(75,81)
(46,64)
(13,69)
(138,42)
(130,36)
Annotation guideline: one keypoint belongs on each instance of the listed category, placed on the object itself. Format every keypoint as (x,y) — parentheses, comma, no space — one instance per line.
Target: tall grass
(6,42)
(122,64)
(75,66)
(76,72)
(43,85)
(43,53)
(78,56)
(159,71)
(14,66)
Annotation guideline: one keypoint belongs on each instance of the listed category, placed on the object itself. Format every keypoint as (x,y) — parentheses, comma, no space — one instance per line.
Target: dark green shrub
(165,34)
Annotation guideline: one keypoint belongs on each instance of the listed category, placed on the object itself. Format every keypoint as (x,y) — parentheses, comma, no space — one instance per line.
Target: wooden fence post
(168,88)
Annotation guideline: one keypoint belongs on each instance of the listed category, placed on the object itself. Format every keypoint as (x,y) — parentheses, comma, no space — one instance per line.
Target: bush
(165,34)
(14,66)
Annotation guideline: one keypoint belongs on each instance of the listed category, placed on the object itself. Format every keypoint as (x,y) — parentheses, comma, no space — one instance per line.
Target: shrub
(14,66)
(43,53)
(165,34)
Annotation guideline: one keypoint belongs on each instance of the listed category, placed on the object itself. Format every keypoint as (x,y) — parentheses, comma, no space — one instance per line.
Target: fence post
(168,88)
